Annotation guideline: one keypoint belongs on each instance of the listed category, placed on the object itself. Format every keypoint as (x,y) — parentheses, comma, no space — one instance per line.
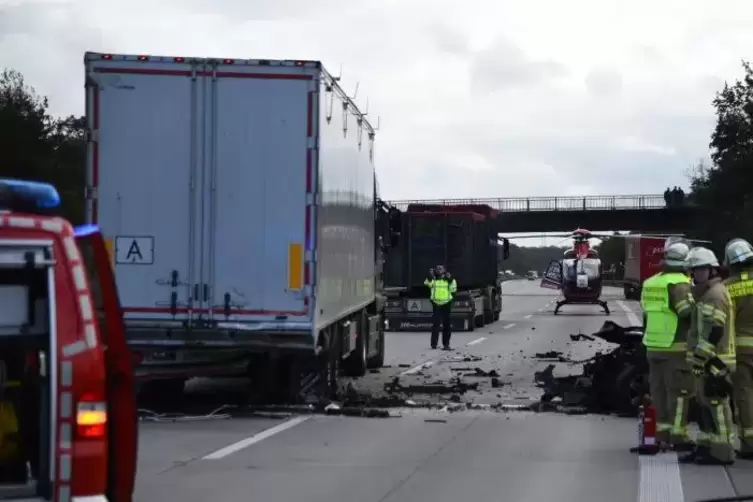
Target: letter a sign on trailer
(134,250)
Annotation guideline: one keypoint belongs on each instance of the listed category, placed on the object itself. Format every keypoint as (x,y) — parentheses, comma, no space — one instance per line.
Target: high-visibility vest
(661,320)
(740,290)
(441,290)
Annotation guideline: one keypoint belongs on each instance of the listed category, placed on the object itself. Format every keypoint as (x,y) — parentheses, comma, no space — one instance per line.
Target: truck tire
(356,363)
(164,390)
(471,324)
(378,360)
(497,315)
(479,321)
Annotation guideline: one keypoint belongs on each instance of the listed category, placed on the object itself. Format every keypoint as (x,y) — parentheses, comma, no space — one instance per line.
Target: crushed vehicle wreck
(612,382)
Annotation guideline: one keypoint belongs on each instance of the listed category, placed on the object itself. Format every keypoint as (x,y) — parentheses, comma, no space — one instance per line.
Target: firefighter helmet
(676,253)
(737,251)
(701,257)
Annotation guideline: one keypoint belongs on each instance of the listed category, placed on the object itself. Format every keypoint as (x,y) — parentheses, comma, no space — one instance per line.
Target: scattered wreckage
(612,382)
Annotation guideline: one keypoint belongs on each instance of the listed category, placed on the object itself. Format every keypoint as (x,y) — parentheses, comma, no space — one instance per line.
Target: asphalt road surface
(467,447)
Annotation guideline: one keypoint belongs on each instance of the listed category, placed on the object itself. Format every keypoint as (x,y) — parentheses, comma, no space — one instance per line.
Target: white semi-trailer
(239,199)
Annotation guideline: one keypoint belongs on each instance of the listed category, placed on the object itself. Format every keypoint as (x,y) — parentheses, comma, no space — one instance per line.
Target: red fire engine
(68,426)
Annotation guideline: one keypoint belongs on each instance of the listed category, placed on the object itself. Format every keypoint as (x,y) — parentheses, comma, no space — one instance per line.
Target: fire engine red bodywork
(643,258)
(99,366)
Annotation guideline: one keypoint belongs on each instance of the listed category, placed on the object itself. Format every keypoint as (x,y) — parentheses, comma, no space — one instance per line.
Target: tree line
(36,145)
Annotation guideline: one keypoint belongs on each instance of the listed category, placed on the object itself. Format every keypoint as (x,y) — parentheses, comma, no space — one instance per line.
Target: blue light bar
(27,194)
(85,230)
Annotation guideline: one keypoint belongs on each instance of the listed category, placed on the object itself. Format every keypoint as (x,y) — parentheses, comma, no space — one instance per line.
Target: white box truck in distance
(239,199)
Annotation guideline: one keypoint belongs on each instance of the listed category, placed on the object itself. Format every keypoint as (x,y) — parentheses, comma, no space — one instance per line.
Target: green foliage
(611,251)
(725,188)
(37,146)
(523,259)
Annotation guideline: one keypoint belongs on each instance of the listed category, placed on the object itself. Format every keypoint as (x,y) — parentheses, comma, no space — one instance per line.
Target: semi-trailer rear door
(258,207)
(145,118)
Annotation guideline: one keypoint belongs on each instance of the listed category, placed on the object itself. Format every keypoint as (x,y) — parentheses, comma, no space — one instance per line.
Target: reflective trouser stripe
(724,435)
(680,426)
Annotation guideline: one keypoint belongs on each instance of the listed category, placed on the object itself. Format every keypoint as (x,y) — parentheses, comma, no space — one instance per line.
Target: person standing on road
(667,304)
(442,288)
(711,355)
(738,256)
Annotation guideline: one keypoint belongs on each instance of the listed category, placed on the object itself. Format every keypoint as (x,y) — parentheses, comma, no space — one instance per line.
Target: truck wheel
(479,321)
(497,315)
(355,364)
(378,360)
(164,390)
(471,324)
(488,317)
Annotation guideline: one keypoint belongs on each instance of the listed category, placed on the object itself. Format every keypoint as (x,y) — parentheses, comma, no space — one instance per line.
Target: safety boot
(684,447)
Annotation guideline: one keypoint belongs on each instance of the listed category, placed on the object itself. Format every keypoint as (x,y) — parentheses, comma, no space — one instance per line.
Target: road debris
(580,337)
(611,382)
(456,386)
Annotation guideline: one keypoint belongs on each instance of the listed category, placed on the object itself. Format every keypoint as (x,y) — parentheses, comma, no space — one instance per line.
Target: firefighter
(738,256)
(667,303)
(442,288)
(711,356)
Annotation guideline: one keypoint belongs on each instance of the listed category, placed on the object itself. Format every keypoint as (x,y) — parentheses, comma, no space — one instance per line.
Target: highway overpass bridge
(645,213)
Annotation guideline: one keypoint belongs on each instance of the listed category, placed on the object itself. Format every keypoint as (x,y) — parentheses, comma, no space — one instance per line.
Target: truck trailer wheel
(479,321)
(378,360)
(355,363)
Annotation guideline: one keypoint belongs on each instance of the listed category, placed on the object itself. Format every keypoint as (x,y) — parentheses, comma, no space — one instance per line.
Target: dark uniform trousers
(441,316)
(742,381)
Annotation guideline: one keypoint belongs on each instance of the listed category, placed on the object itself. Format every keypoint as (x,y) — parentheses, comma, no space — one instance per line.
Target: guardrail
(526,204)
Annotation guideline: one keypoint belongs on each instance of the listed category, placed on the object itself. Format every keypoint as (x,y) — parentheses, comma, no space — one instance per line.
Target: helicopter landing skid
(601,303)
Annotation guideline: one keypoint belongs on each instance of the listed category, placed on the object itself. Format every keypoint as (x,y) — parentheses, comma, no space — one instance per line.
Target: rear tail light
(91,419)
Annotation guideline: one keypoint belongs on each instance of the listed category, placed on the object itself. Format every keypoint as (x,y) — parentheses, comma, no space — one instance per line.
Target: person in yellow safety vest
(711,355)
(442,289)
(738,256)
(667,304)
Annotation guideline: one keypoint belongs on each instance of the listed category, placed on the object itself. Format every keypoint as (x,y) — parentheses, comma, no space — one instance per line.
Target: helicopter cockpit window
(588,266)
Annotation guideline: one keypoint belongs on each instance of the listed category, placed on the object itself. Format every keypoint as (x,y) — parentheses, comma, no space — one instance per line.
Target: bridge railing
(526,204)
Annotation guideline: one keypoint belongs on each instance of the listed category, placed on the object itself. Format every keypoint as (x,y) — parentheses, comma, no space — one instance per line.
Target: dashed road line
(508,326)
(659,477)
(528,316)
(416,369)
(475,342)
(256,438)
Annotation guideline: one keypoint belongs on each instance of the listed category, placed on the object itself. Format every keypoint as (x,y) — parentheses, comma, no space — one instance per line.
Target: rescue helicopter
(578,275)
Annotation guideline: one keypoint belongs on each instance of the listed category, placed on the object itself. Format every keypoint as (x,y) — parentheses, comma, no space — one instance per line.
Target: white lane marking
(474,342)
(508,326)
(659,478)
(632,317)
(416,369)
(528,316)
(245,443)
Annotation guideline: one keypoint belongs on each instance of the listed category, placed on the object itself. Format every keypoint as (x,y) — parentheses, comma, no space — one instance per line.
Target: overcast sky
(479,98)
